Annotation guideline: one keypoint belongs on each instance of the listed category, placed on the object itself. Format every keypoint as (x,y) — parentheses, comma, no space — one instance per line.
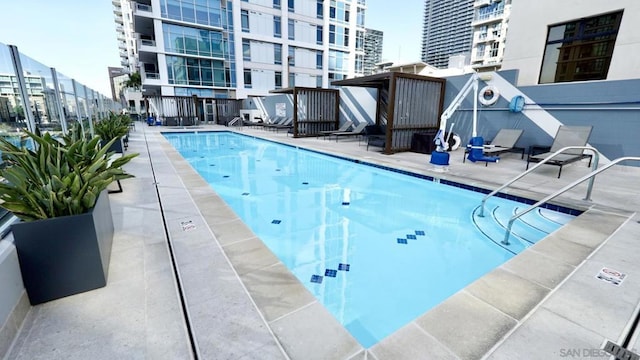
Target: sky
(78,38)
(401,22)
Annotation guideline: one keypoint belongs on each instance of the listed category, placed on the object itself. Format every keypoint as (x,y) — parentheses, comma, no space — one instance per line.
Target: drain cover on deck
(619,352)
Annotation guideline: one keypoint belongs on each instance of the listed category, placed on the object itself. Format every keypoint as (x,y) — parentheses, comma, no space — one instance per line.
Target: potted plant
(58,190)
(114,127)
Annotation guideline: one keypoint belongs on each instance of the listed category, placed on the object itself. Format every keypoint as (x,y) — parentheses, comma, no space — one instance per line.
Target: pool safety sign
(611,276)
(187,225)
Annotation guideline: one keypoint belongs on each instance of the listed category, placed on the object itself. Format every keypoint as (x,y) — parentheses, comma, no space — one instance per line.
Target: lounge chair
(566,136)
(376,136)
(504,141)
(277,122)
(345,127)
(286,124)
(356,131)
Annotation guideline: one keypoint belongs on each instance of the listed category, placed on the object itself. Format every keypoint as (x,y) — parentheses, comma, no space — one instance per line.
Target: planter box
(116,146)
(66,255)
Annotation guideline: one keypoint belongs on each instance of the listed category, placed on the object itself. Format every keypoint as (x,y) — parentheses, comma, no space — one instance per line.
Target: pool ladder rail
(590,176)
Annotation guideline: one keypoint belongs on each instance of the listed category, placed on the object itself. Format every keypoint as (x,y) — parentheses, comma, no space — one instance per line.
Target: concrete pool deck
(242,303)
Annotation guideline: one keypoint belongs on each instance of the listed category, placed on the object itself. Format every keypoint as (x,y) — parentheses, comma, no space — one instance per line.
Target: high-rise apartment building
(235,49)
(490,21)
(446,30)
(124,32)
(372,50)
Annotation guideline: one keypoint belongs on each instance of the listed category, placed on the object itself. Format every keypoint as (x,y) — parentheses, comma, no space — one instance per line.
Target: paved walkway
(242,303)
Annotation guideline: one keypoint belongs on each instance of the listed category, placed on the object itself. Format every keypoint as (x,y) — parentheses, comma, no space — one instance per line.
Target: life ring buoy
(454,141)
(488,95)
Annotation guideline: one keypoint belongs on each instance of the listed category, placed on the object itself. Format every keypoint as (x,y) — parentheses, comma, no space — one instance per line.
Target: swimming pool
(377,248)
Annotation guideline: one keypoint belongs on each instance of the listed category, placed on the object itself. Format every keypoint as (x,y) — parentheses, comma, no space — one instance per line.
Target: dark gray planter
(116,146)
(65,255)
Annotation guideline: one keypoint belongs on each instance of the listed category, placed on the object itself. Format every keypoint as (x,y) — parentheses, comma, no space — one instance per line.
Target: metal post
(89,102)
(58,102)
(75,97)
(22,88)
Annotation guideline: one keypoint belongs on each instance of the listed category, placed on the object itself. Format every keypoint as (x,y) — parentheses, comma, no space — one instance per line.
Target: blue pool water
(377,248)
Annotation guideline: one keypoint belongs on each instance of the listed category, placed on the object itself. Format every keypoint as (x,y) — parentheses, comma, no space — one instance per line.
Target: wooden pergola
(314,110)
(407,104)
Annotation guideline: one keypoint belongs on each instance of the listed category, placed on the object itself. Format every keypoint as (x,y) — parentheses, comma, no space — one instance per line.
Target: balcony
(481,3)
(147,45)
(488,18)
(144,8)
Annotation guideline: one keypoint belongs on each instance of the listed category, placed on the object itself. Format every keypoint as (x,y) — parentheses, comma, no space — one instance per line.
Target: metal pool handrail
(590,175)
(595,166)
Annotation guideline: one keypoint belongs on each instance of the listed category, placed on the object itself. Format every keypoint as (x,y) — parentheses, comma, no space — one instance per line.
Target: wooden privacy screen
(191,110)
(314,110)
(407,104)
(415,105)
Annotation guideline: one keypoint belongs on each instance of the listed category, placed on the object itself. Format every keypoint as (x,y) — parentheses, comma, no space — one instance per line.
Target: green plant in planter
(114,127)
(57,178)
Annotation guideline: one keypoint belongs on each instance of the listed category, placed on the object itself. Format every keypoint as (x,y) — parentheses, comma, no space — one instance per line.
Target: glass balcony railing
(144,7)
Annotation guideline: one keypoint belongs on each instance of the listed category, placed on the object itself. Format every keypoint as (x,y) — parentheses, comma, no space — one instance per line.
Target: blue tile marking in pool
(402,241)
(316,279)
(276,222)
(345,203)
(411,237)
(330,273)
(226,176)
(305,183)
(318,232)
(420,232)
(344,267)
(245,194)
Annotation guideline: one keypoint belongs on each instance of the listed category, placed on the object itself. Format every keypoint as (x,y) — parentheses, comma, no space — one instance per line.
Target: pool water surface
(377,248)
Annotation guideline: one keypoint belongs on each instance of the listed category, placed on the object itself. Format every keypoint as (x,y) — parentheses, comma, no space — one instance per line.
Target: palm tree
(134,81)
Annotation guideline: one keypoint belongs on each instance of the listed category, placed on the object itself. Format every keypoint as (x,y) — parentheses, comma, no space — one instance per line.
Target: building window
(338,35)
(319,81)
(277,53)
(291,59)
(332,34)
(318,59)
(320,9)
(359,63)
(480,51)
(244,18)
(198,72)
(292,6)
(192,41)
(359,40)
(277,26)
(292,29)
(276,4)
(494,49)
(292,79)
(278,79)
(247,78)
(580,50)
(360,17)
(246,50)
(201,12)
(319,35)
